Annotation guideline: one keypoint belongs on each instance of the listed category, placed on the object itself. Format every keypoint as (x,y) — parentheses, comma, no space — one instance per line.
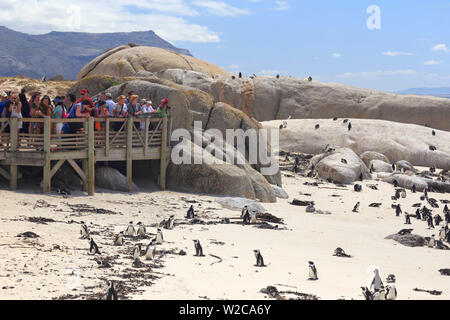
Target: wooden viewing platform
(50,150)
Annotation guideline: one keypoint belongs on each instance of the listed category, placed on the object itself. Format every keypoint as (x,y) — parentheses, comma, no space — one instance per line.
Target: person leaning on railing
(163,109)
(79,111)
(101,112)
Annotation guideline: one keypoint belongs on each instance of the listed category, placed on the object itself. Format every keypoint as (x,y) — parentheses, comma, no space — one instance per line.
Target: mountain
(443,92)
(64,53)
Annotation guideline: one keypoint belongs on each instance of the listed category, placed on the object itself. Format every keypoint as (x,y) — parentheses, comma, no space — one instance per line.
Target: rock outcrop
(126,61)
(111,179)
(397,141)
(267,98)
(368,156)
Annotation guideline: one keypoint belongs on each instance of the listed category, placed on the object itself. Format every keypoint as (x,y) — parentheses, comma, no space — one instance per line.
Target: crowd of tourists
(13,105)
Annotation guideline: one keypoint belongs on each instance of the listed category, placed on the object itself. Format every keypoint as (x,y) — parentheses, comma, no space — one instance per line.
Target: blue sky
(326,39)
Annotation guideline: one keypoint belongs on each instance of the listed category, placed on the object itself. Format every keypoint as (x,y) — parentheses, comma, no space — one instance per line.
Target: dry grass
(51,88)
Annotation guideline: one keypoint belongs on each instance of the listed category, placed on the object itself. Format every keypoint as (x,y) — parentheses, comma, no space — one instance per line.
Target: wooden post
(14,138)
(130,154)
(91,157)
(84,167)
(107,137)
(47,149)
(163,155)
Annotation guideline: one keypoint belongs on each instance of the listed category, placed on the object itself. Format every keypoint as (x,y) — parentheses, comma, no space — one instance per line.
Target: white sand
(33,269)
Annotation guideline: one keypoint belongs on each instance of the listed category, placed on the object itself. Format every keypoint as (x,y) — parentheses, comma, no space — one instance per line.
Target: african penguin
(169,223)
(312,271)
(136,251)
(198,249)
(130,231)
(159,237)
(111,294)
(150,252)
(84,231)
(93,249)
(118,240)
(190,213)
(259,258)
(391,292)
(141,229)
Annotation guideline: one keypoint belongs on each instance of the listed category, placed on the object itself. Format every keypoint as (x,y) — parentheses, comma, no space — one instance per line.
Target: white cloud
(394,53)
(336,55)
(379,73)
(281,6)
(431,63)
(220,8)
(440,47)
(165,17)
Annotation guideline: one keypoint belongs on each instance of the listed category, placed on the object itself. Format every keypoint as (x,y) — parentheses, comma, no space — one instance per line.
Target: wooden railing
(117,139)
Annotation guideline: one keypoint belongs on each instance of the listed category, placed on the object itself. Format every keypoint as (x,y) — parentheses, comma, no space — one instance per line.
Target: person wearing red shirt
(85,96)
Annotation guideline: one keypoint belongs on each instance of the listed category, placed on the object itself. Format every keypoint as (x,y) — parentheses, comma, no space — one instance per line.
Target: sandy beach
(57,264)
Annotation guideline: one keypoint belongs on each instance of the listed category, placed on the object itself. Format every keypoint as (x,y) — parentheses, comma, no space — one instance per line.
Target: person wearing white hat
(147,108)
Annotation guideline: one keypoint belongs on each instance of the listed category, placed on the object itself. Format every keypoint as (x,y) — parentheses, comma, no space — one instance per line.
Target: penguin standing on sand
(391,292)
(137,252)
(407,218)
(246,218)
(150,252)
(111,294)
(437,220)
(141,229)
(414,188)
(259,258)
(130,231)
(418,216)
(118,240)
(398,210)
(84,231)
(244,211)
(375,282)
(432,242)
(367,294)
(442,234)
(169,223)
(198,249)
(159,237)
(430,221)
(93,249)
(190,213)
(312,271)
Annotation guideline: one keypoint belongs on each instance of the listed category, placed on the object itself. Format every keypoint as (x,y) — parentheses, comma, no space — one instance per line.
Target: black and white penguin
(433,133)
(190,213)
(137,251)
(430,221)
(407,218)
(312,271)
(141,229)
(437,220)
(119,239)
(130,231)
(317,127)
(375,282)
(357,187)
(84,231)
(398,210)
(159,237)
(150,251)
(391,278)
(93,249)
(169,223)
(361,177)
(244,211)
(442,234)
(395,182)
(367,294)
(414,188)
(240,75)
(259,258)
(418,215)
(349,126)
(111,294)
(198,249)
